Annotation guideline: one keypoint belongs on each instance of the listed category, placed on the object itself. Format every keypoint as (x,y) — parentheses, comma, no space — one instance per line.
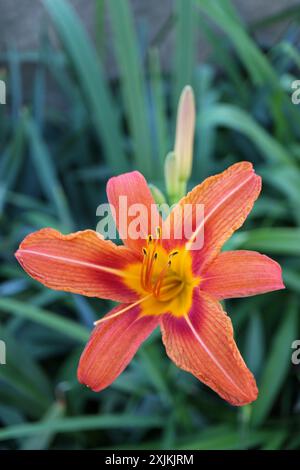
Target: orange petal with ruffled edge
(241,274)
(139,204)
(112,345)
(227,199)
(81,262)
(202,343)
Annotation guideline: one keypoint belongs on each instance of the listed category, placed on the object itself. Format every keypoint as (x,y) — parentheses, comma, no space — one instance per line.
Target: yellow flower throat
(165,280)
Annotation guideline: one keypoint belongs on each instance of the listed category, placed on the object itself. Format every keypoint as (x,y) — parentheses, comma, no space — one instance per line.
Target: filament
(120,312)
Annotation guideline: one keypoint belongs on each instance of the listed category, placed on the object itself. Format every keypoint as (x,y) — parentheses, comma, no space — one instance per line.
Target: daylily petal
(202,343)
(131,197)
(227,199)
(81,262)
(112,345)
(240,274)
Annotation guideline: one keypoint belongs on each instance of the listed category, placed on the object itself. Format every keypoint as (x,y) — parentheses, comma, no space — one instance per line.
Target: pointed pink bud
(185,130)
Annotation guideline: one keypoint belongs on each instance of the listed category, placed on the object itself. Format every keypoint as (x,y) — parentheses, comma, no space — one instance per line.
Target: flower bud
(157,194)
(171,176)
(185,130)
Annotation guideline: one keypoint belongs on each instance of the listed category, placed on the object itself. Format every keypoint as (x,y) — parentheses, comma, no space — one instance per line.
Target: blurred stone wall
(21,21)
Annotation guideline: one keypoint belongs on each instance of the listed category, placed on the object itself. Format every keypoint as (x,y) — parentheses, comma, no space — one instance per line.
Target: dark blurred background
(92,88)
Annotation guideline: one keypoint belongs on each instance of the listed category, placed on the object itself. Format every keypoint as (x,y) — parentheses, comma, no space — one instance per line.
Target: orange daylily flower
(163,282)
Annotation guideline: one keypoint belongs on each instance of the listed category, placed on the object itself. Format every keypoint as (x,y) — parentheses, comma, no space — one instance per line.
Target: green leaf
(234,118)
(43,317)
(42,440)
(11,161)
(82,423)
(150,365)
(291,279)
(257,65)
(283,241)
(23,377)
(276,441)
(287,181)
(133,85)
(46,174)
(204,158)
(289,13)
(255,344)
(88,68)
(277,365)
(185,43)
(100,25)
(159,109)
(223,438)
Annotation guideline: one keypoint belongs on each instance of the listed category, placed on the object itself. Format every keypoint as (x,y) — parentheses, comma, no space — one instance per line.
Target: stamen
(159,281)
(150,255)
(150,282)
(158,232)
(143,272)
(113,315)
(149,269)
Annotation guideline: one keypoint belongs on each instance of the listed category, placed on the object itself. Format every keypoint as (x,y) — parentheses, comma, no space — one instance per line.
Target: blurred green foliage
(53,168)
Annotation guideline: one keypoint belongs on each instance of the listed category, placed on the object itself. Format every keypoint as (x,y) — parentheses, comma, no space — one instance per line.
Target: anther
(155,255)
(145,252)
(158,232)
(150,238)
